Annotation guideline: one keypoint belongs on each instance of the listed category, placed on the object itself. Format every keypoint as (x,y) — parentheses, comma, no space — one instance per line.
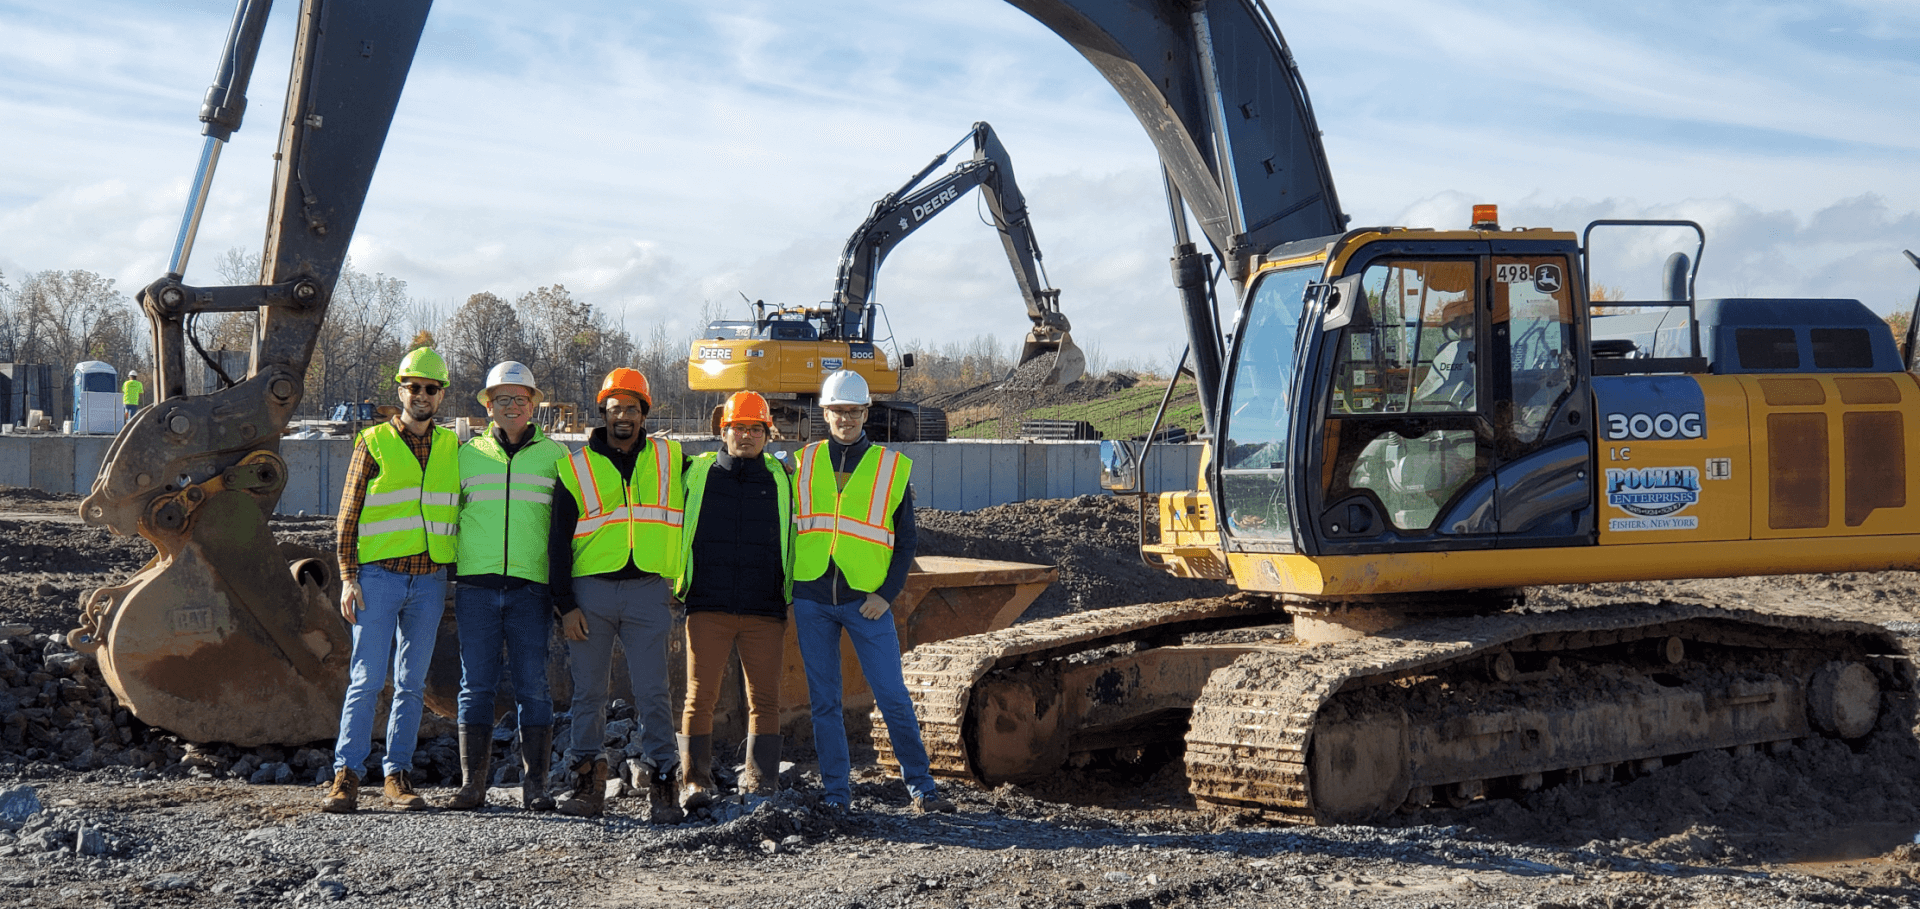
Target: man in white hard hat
(130,392)
(854,517)
(397,520)
(507,479)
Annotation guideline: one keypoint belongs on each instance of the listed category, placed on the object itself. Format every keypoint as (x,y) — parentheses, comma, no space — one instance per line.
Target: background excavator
(1407,429)
(786,352)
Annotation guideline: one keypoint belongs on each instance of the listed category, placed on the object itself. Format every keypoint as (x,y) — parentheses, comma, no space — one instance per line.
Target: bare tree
(9,324)
(360,343)
(483,331)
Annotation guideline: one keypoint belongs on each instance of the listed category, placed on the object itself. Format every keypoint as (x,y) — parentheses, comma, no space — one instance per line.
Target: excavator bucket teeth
(247,654)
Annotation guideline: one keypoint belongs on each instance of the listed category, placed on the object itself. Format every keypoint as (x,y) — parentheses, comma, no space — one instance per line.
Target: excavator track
(1454,709)
(1440,711)
(941,676)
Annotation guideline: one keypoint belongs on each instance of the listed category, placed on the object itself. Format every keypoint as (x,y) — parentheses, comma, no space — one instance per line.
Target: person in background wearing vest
(130,392)
(507,477)
(737,583)
(854,518)
(614,548)
(397,525)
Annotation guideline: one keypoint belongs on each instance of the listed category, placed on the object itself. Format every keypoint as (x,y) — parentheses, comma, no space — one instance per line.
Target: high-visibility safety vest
(621,520)
(408,510)
(697,473)
(851,527)
(130,391)
(506,505)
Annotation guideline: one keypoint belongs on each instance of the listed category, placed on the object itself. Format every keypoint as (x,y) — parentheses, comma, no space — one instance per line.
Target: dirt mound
(1093,539)
(992,394)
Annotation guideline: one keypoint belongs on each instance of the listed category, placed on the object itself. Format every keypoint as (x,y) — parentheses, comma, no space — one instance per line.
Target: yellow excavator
(1406,430)
(786,352)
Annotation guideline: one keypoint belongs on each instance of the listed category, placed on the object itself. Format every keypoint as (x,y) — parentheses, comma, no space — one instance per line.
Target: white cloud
(663,158)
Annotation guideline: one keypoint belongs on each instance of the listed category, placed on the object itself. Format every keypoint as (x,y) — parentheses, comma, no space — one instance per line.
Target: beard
(622,430)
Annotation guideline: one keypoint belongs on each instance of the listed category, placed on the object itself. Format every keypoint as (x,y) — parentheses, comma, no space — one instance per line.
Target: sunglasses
(417,389)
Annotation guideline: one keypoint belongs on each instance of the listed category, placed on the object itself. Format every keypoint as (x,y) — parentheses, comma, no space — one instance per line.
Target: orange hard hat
(625,381)
(746,407)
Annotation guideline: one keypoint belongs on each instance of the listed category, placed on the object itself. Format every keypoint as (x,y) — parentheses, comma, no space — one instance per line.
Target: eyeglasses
(850,413)
(417,389)
(752,429)
(512,401)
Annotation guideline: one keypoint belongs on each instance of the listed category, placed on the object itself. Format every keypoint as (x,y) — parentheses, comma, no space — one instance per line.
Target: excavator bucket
(251,653)
(1048,358)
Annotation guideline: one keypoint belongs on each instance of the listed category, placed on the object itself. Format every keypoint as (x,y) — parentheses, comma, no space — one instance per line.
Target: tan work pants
(711,637)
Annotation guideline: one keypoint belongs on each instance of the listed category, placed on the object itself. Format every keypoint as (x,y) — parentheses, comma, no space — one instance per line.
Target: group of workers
(599,540)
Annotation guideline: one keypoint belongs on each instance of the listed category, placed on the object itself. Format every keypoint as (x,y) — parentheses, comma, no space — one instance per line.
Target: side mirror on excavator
(1120,466)
(906,361)
(1336,301)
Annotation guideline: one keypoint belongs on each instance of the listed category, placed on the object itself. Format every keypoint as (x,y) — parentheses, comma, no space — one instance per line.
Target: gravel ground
(1821,825)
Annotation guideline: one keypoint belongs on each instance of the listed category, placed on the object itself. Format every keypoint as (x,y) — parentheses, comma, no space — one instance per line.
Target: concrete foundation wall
(954,476)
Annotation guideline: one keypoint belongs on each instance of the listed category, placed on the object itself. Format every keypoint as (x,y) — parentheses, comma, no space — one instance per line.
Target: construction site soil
(96,809)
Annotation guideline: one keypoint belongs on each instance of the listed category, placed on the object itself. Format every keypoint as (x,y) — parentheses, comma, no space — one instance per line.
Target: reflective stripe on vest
(697,473)
(406,510)
(506,505)
(850,527)
(621,521)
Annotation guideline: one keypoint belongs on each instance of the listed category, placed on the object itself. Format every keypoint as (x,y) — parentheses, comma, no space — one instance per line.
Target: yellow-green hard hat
(424,363)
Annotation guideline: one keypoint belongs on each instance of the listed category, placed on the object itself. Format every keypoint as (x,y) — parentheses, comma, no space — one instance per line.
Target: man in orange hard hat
(737,581)
(614,554)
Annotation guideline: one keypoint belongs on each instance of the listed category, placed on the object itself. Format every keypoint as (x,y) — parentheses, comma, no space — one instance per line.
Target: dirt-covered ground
(97,809)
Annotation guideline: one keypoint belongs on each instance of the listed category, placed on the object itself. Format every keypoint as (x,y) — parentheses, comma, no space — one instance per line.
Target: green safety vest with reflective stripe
(619,520)
(506,505)
(130,391)
(407,510)
(696,494)
(851,527)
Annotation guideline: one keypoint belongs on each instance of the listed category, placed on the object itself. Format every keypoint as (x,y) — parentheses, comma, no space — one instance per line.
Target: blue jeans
(523,620)
(399,617)
(635,611)
(877,645)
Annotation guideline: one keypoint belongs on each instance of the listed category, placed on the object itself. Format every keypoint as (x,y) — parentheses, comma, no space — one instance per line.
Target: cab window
(1259,410)
(1410,346)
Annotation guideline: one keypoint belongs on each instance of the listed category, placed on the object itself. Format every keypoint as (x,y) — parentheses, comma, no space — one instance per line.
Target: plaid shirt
(361,471)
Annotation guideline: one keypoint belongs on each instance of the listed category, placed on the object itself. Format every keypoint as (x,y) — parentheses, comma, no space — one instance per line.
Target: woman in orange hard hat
(737,582)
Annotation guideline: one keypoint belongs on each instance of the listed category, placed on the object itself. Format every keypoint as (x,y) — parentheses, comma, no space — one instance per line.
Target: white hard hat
(845,387)
(511,372)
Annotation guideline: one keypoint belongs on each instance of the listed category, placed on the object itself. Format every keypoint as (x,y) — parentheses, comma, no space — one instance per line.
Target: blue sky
(658,157)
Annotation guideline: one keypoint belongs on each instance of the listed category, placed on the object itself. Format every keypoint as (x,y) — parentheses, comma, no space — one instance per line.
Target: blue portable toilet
(96,398)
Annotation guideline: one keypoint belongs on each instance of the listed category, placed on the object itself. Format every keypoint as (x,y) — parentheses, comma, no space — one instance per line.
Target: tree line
(62,318)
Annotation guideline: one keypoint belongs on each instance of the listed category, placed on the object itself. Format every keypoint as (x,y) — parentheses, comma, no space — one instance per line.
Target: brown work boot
(476,753)
(589,794)
(400,794)
(696,769)
(344,797)
(931,804)
(663,795)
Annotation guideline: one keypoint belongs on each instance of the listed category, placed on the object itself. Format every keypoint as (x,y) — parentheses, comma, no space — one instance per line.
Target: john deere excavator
(1407,429)
(786,352)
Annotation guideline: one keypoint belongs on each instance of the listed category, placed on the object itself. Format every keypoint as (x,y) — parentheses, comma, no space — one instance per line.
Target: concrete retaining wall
(955,476)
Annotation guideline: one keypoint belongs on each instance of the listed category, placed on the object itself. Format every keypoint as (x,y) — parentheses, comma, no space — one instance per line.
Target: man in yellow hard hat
(507,479)
(737,581)
(614,552)
(854,515)
(398,518)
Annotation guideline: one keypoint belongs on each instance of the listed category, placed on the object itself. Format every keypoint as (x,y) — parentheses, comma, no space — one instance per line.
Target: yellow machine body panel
(773,366)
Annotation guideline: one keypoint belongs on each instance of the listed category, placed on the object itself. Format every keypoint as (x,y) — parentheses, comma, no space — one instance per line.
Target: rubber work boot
(696,771)
(344,797)
(663,795)
(762,776)
(589,794)
(400,794)
(476,756)
(536,755)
